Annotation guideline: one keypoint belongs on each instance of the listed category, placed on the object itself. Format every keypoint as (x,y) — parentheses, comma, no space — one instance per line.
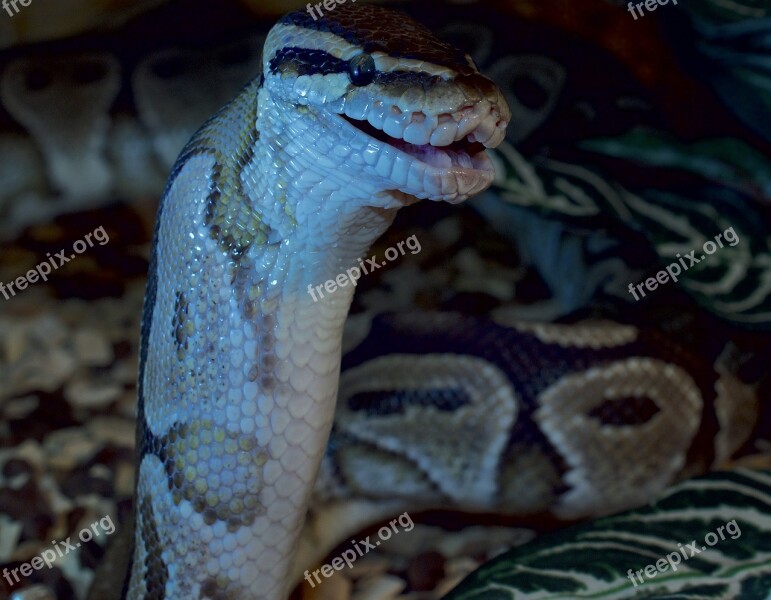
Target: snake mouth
(460,153)
(448,169)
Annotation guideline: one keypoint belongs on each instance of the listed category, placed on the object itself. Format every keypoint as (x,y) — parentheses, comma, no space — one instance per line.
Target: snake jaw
(436,128)
(430,164)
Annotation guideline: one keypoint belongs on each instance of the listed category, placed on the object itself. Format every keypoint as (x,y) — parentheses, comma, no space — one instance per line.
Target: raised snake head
(417,108)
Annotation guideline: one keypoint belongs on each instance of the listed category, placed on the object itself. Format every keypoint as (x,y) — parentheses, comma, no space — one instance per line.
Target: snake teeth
(376,115)
(438,155)
(470,120)
(451,171)
(444,134)
(417,134)
(480,123)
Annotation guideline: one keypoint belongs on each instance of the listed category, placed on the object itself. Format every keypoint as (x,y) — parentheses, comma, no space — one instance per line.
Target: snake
(352,118)
(287,187)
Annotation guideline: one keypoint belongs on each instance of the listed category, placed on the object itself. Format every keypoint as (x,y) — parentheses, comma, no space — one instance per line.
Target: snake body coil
(353,117)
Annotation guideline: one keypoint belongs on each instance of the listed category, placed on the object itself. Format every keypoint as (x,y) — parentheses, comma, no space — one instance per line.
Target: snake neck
(311,190)
(241,364)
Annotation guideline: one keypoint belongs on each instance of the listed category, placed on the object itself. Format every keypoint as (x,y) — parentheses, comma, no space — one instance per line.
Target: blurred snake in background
(354,116)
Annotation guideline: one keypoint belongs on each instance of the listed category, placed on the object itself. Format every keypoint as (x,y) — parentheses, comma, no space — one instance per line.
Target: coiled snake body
(354,116)
(362,112)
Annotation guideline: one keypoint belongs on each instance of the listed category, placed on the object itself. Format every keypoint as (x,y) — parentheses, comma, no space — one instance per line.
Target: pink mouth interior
(457,154)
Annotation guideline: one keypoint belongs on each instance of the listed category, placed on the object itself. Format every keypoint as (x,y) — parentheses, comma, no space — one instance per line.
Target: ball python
(352,118)
(287,187)
(518,334)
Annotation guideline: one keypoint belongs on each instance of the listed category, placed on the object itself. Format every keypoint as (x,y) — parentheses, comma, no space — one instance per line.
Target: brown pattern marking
(156,573)
(230,493)
(216,589)
(181,324)
(231,219)
(385,30)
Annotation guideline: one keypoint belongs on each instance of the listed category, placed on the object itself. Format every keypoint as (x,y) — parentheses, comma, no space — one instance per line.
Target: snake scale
(286,188)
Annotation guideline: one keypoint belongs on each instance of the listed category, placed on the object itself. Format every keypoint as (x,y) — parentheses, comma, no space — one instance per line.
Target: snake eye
(362,69)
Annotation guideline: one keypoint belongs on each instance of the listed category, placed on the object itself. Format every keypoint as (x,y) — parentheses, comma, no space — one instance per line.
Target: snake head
(418,109)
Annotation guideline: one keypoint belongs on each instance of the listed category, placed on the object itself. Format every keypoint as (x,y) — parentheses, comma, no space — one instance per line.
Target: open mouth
(441,157)
(448,142)
(459,154)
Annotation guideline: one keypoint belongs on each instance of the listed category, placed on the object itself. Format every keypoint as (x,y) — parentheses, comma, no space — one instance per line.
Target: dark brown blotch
(156,573)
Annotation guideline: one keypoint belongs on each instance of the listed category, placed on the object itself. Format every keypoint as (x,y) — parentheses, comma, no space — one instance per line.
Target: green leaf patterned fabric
(705,538)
